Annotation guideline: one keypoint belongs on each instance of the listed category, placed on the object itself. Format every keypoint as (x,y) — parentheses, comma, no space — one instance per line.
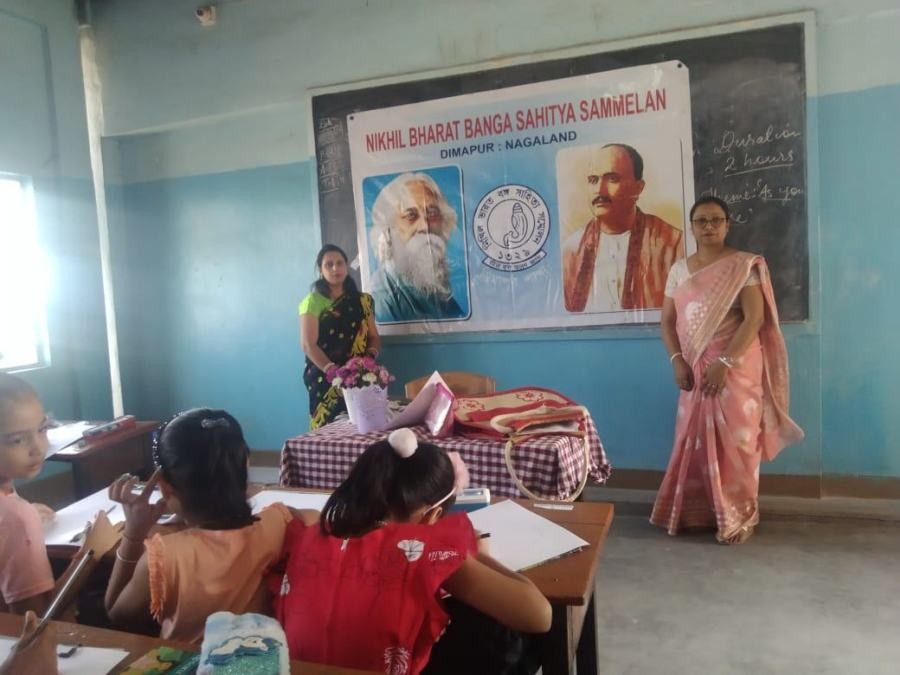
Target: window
(23,279)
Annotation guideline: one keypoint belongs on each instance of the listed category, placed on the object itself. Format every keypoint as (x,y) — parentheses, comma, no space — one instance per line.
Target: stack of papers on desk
(65,435)
(94,660)
(521,539)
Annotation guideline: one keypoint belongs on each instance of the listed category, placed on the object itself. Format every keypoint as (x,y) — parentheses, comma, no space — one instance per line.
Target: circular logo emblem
(511,225)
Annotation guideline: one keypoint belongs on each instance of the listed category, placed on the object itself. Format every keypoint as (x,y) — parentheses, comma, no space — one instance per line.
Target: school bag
(518,414)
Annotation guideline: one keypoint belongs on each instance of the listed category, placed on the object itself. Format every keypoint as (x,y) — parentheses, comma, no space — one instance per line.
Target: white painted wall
(42,101)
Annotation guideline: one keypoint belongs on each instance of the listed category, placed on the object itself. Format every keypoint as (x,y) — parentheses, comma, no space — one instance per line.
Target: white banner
(561,203)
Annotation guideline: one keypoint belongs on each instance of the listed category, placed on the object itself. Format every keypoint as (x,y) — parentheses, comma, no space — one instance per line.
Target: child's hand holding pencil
(483,542)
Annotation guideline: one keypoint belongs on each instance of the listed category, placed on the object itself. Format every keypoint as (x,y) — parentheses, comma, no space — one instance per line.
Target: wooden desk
(98,463)
(568,583)
(138,645)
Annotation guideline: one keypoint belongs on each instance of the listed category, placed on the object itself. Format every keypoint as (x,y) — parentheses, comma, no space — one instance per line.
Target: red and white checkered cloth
(549,466)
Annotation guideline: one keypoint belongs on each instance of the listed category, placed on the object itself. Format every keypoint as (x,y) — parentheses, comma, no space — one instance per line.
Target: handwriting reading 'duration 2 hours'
(751,152)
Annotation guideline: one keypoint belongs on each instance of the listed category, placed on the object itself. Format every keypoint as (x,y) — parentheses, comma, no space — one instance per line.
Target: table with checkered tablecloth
(549,466)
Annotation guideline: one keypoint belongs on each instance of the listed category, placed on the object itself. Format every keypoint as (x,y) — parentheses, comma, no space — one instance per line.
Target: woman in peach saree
(720,327)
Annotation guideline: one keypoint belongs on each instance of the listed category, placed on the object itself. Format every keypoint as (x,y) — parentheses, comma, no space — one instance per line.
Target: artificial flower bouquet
(358,372)
(364,385)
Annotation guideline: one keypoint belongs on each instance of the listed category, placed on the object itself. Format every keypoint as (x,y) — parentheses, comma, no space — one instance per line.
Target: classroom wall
(215,220)
(43,135)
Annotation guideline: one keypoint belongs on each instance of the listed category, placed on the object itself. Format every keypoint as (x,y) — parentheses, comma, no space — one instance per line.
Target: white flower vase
(367,407)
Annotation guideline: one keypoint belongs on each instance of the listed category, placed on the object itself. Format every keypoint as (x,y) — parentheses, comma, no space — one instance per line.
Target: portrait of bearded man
(412,223)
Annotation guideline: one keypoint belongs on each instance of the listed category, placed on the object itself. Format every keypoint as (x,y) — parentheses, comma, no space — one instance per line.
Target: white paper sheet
(70,521)
(415,412)
(94,660)
(297,500)
(521,539)
(65,435)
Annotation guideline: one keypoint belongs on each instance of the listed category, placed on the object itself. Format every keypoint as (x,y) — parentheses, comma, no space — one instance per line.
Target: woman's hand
(39,657)
(714,378)
(684,376)
(140,514)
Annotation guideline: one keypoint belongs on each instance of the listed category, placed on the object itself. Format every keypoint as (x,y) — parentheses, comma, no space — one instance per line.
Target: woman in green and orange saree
(336,323)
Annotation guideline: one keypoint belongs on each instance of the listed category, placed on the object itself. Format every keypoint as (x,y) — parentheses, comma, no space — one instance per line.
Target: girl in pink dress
(26,580)
(720,327)
(364,587)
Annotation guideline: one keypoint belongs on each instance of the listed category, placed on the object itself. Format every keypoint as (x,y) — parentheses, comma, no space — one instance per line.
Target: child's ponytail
(393,478)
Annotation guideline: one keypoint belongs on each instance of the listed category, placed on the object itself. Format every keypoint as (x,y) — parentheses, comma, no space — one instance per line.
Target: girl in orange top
(218,562)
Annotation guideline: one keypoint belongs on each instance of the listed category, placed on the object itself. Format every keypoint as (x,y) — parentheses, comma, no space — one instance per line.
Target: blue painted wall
(215,227)
(43,136)
(860,246)
(211,268)
(209,271)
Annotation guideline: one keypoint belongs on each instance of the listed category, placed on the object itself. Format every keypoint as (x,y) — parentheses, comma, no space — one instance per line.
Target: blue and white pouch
(249,644)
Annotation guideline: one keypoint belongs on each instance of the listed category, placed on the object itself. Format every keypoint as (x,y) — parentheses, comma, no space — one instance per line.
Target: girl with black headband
(217,563)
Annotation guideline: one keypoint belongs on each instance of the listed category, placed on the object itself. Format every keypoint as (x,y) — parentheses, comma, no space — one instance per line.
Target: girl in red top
(363,588)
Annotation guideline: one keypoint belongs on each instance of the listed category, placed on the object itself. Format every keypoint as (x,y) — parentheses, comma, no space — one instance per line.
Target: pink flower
(369,363)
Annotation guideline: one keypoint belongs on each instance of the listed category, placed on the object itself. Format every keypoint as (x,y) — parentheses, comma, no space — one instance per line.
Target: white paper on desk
(65,435)
(415,412)
(94,660)
(71,520)
(296,500)
(521,539)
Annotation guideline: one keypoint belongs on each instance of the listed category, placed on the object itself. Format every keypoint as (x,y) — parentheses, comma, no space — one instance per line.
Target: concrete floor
(800,597)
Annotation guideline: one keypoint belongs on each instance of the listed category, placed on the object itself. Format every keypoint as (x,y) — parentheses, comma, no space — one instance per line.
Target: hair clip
(213,422)
(404,442)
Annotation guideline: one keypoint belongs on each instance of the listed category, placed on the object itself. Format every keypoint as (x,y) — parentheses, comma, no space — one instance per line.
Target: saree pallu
(343,333)
(713,474)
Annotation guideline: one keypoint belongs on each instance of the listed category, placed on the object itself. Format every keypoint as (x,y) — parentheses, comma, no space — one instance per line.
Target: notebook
(521,539)
(94,660)
(70,522)
(417,409)
(297,500)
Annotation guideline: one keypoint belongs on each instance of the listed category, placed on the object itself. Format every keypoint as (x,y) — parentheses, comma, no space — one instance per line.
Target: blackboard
(748,109)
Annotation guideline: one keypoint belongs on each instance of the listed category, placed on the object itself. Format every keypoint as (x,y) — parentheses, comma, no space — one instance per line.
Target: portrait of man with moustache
(411,226)
(619,260)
